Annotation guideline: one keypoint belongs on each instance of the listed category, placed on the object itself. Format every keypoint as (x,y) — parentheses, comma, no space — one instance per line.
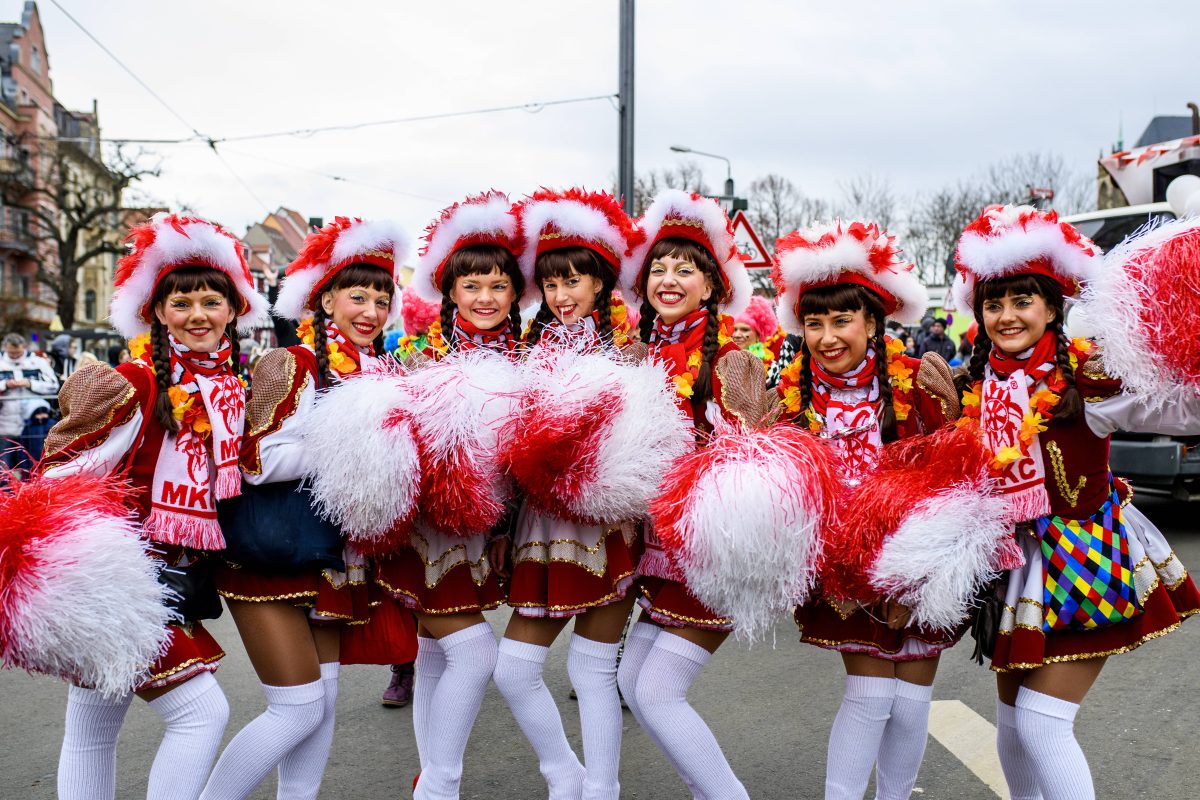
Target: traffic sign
(748,243)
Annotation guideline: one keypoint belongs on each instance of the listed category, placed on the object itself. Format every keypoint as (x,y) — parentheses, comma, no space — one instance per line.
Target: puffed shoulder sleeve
(634,352)
(743,389)
(274,400)
(935,382)
(101,417)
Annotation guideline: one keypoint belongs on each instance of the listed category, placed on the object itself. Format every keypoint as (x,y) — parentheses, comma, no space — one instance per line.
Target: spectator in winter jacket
(937,341)
(24,381)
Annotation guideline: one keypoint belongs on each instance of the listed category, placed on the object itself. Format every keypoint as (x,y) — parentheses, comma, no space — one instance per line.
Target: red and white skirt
(848,628)
(330,596)
(664,596)
(1165,594)
(190,651)
(440,575)
(561,569)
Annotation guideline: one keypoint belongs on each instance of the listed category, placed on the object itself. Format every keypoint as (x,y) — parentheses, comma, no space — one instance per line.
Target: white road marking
(971,739)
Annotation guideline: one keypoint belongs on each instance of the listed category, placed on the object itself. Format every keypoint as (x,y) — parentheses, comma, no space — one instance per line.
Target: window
(89,305)
(26,286)
(35,59)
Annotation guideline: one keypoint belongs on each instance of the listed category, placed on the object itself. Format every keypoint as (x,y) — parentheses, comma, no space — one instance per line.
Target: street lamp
(678,148)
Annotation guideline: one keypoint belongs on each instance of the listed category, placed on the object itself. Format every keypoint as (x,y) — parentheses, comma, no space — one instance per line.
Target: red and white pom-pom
(595,436)
(1142,307)
(923,529)
(462,407)
(743,519)
(364,468)
(79,595)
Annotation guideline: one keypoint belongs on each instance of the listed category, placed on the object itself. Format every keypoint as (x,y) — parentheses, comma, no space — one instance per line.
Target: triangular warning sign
(748,243)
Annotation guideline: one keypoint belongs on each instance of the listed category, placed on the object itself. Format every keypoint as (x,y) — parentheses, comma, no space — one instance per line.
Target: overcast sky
(920,92)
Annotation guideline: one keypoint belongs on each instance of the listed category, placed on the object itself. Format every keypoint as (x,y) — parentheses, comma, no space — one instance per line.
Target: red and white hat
(482,219)
(676,214)
(168,242)
(553,220)
(1020,240)
(840,252)
(345,241)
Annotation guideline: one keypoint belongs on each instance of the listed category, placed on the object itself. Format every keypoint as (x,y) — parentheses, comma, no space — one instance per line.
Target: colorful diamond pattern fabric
(1087,573)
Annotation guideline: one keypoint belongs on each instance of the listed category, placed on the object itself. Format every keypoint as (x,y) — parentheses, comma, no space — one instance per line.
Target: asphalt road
(771,708)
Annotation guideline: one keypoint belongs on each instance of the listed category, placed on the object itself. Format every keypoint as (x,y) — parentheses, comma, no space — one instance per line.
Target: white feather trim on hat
(488,215)
(1013,237)
(716,227)
(570,218)
(797,267)
(193,242)
(359,237)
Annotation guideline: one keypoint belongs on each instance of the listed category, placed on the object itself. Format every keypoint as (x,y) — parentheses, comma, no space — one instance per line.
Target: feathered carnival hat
(760,316)
(168,242)
(345,241)
(675,214)
(483,219)
(416,314)
(835,253)
(554,220)
(1020,240)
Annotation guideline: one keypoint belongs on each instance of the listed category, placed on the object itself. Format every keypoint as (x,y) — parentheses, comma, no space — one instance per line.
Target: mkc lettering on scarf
(183,496)
(1004,404)
(230,449)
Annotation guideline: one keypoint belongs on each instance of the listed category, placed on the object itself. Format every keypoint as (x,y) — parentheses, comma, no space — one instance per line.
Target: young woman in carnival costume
(687,273)
(565,567)
(170,421)
(292,618)
(853,386)
(444,574)
(1098,579)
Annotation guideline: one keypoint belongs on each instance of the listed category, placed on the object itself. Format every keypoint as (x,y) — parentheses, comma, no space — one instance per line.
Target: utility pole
(625,102)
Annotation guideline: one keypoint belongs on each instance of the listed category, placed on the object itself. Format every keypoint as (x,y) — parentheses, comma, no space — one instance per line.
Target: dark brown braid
(1070,406)
(702,389)
(321,348)
(646,323)
(235,349)
(806,378)
(514,320)
(544,317)
(887,412)
(604,306)
(963,381)
(160,352)
(449,310)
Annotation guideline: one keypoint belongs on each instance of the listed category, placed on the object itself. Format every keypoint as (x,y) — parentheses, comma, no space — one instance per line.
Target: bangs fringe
(482,259)
(560,263)
(193,279)
(365,275)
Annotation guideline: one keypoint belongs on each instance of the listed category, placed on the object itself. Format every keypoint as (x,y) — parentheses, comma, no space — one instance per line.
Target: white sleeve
(47,381)
(104,458)
(281,453)
(1179,415)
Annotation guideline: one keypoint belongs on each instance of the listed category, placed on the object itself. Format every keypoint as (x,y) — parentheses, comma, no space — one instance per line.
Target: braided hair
(562,264)
(184,281)
(321,347)
(848,297)
(1070,404)
(482,259)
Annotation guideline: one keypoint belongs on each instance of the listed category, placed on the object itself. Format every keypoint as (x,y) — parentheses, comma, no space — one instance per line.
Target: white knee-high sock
(427,671)
(518,676)
(673,665)
(1047,728)
(470,661)
(195,713)
(856,735)
(1018,771)
(301,771)
(293,713)
(592,667)
(904,740)
(638,644)
(87,764)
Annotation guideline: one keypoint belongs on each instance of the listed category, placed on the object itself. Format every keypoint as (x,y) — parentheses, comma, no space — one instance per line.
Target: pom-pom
(79,594)
(595,436)
(417,314)
(366,483)
(1142,308)
(743,519)
(462,405)
(922,529)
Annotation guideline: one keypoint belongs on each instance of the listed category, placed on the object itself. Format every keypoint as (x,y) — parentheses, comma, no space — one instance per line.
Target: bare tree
(686,175)
(935,222)
(870,198)
(72,203)
(1011,179)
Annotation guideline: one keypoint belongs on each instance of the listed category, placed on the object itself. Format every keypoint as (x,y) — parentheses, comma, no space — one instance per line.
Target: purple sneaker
(399,690)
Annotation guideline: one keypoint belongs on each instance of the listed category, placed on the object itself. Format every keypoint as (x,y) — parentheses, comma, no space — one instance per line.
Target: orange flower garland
(339,362)
(184,407)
